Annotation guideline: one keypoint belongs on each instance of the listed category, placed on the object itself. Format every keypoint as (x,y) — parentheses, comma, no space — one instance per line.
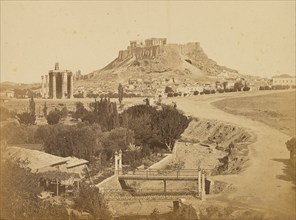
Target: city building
(283,80)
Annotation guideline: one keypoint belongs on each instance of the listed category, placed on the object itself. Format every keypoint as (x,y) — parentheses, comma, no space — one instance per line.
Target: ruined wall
(141,52)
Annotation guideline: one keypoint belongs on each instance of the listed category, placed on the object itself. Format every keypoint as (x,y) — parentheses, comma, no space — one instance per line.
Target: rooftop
(40,161)
(283,76)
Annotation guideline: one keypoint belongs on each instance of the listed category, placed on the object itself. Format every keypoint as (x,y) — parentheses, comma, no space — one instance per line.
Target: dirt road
(264,185)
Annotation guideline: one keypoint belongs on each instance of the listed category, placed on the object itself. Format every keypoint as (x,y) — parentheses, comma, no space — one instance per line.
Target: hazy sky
(257,38)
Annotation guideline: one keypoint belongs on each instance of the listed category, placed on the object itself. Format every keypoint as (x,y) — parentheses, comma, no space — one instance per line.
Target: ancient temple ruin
(143,48)
(58,84)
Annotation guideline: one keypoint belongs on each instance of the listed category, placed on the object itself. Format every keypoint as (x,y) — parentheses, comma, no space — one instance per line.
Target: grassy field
(276,110)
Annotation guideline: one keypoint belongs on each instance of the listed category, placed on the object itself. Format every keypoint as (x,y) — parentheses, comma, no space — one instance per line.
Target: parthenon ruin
(58,84)
(143,48)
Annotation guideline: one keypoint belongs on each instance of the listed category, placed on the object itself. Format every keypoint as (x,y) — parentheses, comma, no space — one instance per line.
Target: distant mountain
(4,86)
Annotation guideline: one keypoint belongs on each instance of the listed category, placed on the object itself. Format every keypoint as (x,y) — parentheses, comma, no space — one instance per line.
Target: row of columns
(57,83)
(44,87)
(62,82)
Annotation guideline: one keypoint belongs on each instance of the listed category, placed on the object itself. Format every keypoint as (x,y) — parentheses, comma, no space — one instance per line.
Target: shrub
(4,113)
(53,117)
(80,95)
(246,88)
(170,94)
(195,93)
(26,118)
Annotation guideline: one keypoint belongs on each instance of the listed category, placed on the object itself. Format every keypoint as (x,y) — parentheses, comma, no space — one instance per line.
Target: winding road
(264,185)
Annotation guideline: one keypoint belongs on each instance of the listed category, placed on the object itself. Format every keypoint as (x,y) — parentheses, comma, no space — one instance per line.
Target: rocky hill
(178,61)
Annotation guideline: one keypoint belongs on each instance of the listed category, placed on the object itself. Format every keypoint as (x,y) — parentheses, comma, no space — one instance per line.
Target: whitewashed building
(284,80)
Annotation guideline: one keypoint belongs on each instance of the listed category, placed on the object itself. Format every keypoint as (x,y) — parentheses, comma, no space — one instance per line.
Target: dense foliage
(26,118)
(19,195)
(54,117)
(92,201)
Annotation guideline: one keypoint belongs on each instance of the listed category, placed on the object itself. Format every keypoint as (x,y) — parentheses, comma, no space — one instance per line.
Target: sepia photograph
(147,110)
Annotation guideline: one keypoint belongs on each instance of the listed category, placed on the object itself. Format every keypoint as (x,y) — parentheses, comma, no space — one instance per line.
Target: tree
(118,138)
(91,200)
(64,112)
(171,124)
(19,194)
(291,146)
(4,113)
(81,140)
(238,86)
(147,101)
(32,106)
(168,89)
(53,117)
(26,118)
(15,133)
(120,93)
(104,113)
(224,85)
(80,110)
(195,93)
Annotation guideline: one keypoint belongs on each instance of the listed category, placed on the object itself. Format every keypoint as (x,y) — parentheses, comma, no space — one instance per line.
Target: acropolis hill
(154,59)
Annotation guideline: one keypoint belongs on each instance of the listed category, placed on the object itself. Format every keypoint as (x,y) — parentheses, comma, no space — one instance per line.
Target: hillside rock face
(164,61)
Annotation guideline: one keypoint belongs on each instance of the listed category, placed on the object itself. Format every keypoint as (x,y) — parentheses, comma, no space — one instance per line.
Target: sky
(254,37)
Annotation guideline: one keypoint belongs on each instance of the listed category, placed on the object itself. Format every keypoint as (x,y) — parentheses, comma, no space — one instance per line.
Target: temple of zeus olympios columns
(58,84)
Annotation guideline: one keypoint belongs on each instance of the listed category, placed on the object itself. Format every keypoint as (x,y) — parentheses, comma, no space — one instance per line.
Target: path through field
(264,184)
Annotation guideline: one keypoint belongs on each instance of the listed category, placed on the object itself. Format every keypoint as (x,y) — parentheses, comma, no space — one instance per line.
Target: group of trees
(102,130)
(155,127)
(103,112)
(238,87)
(19,194)
(6,114)
(56,115)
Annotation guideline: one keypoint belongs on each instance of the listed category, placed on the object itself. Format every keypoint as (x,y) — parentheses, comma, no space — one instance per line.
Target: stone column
(120,161)
(42,87)
(62,85)
(199,182)
(46,86)
(54,88)
(116,163)
(71,86)
(203,190)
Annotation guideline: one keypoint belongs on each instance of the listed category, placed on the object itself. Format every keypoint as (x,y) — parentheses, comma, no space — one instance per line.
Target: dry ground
(265,184)
(275,110)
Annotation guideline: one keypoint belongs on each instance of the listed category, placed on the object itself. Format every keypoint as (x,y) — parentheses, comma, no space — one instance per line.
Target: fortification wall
(141,52)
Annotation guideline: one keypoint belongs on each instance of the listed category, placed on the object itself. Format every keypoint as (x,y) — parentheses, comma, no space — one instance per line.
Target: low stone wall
(164,162)
(109,183)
